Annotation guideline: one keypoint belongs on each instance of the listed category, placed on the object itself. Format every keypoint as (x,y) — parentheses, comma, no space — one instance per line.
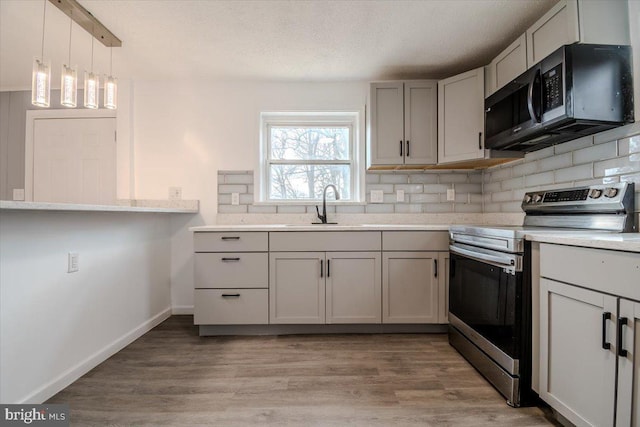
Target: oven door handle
(498,261)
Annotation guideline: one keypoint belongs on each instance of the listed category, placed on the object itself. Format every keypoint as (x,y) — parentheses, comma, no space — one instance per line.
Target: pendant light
(91,84)
(69,80)
(110,86)
(41,77)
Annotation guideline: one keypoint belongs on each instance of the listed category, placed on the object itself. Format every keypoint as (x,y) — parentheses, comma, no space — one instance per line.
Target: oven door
(485,301)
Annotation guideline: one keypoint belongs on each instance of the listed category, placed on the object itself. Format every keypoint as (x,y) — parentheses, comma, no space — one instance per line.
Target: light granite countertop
(322,227)
(629,242)
(159,207)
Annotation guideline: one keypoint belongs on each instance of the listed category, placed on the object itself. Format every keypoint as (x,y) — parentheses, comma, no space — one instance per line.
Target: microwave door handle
(533,111)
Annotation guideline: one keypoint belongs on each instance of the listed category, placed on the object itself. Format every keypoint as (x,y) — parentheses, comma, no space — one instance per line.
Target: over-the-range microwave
(578,90)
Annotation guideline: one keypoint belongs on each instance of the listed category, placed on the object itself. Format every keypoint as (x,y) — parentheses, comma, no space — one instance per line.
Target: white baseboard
(182,309)
(69,376)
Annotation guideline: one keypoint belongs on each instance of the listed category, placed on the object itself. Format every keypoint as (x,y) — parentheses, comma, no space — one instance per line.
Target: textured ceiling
(317,40)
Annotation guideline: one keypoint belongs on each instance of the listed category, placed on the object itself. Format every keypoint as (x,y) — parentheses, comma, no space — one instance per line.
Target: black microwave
(578,90)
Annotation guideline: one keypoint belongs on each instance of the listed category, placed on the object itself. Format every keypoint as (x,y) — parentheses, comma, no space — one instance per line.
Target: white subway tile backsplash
(424,198)
(246,199)
(262,209)
(350,209)
(576,144)
(632,178)
(617,133)
(436,188)
(513,183)
(423,178)
(540,154)
(475,178)
(500,174)
(468,188)
(394,179)
(629,145)
(476,198)
(574,173)
(231,188)
(379,208)
(409,188)
(525,168)
(386,188)
(438,208)
(596,152)
(611,179)
(494,186)
(467,208)
(502,196)
(618,166)
(492,207)
(555,162)
(453,177)
(372,178)
(292,209)
(407,208)
(232,208)
(538,179)
(587,182)
(238,179)
(511,207)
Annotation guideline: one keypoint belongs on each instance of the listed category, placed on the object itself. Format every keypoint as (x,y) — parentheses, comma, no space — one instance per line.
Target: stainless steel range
(490,279)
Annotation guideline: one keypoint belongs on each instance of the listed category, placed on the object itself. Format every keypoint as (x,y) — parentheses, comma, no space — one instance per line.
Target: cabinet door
(409,287)
(577,375)
(461,117)
(508,65)
(443,286)
(353,287)
(296,287)
(420,122)
(628,406)
(387,123)
(557,27)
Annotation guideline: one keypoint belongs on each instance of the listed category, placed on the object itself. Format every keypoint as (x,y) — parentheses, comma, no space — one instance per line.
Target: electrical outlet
(73,262)
(175,193)
(235,198)
(377,196)
(400,196)
(451,194)
(18,194)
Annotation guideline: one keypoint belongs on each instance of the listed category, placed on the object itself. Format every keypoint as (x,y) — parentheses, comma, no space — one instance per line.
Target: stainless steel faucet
(323,217)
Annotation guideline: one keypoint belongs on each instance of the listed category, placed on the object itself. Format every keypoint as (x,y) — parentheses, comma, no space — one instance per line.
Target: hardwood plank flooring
(171,376)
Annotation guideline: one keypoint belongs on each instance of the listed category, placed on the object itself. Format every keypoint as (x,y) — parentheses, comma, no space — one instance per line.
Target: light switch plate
(235,198)
(400,196)
(18,194)
(73,262)
(377,196)
(451,194)
(175,193)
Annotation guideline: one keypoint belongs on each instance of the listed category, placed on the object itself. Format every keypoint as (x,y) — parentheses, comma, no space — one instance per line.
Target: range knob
(610,192)
(537,198)
(528,198)
(595,193)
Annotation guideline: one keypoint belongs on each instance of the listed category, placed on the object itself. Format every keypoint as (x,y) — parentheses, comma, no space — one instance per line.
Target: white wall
(185,131)
(54,325)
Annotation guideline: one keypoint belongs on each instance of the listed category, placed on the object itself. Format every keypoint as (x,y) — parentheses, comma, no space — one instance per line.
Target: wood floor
(171,376)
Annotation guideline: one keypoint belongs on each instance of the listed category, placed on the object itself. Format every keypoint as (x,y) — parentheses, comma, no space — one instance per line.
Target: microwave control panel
(552,88)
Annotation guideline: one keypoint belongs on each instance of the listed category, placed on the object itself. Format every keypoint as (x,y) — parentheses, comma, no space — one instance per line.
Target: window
(301,153)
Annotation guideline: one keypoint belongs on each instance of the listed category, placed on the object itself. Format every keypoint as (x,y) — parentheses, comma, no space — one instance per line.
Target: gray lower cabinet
(324,287)
(589,320)
(231,278)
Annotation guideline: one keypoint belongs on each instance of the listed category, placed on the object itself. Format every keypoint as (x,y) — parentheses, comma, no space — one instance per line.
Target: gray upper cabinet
(461,117)
(508,65)
(581,21)
(403,123)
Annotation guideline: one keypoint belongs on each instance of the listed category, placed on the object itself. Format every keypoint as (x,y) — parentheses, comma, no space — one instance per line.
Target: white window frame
(351,119)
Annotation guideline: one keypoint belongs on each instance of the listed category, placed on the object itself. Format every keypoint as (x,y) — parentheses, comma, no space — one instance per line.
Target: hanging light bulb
(110,86)
(91,85)
(41,77)
(69,80)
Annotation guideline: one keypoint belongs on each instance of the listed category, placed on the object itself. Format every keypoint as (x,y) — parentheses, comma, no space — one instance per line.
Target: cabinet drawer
(415,241)
(230,242)
(231,270)
(231,307)
(602,270)
(296,241)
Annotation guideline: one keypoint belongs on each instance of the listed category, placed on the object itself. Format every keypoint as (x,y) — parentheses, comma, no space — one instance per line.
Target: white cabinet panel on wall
(583,21)
(508,65)
(353,291)
(410,287)
(461,117)
(628,405)
(403,126)
(577,371)
(296,288)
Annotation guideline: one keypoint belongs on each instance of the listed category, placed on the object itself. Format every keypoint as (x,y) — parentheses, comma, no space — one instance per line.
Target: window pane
(289,182)
(309,143)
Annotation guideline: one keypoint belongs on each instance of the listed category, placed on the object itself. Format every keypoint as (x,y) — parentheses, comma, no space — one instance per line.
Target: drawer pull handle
(230,295)
(231,238)
(605,316)
(400,148)
(321,268)
(621,351)
(328,268)
(435,268)
(230,259)
(407,148)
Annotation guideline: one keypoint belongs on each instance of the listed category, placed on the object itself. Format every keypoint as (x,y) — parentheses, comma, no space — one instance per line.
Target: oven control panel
(593,195)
